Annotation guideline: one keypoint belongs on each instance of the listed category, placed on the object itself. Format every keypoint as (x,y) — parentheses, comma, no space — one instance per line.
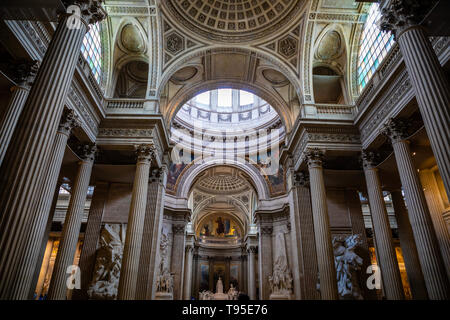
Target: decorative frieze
(125,132)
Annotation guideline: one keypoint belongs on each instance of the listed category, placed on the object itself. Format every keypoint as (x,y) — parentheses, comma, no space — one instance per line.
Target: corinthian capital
(369,159)
(314,157)
(90,11)
(145,152)
(397,15)
(24,73)
(301,179)
(69,120)
(396,129)
(87,151)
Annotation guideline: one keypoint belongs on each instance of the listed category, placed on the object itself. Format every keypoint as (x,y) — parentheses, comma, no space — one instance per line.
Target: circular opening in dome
(227,125)
(227,108)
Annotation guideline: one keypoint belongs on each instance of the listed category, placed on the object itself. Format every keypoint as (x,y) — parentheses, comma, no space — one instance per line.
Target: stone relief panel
(105,282)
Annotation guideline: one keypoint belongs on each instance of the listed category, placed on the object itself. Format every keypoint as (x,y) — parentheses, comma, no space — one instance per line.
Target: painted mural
(219,226)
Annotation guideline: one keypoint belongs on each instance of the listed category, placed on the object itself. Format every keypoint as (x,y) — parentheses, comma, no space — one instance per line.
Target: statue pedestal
(281,296)
(163,296)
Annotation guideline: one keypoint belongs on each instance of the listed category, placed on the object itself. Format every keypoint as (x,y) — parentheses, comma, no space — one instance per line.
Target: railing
(328,111)
(125,103)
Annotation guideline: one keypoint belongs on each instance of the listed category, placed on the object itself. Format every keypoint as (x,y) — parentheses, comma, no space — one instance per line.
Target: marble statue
(347,264)
(164,280)
(105,282)
(280,281)
(219,286)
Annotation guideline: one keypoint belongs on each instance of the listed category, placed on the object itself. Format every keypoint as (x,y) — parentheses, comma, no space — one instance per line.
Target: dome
(233,20)
(223,183)
(226,121)
(225,109)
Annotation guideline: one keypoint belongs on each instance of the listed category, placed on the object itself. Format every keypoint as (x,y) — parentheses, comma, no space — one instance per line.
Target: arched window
(375,44)
(92,50)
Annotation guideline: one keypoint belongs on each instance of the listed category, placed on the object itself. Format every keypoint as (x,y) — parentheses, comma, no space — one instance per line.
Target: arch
(188,179)
(183,96)
(266,91)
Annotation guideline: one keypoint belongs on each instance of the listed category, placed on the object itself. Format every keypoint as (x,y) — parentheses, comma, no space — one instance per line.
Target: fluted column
(304,257)
(429,81)
(23,275)
(148,267)
(188,272)
(177,261)
(72,224)
(436,208)
(252,272)
(387,259)
(422,226)
(409,250)
(358,227)
(24,74)
(23,170)
(136,219)
(90,241)
(322,234)
(265,259)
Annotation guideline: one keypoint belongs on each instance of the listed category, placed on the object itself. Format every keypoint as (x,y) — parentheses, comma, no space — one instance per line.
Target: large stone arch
(185,95)
(187,180)
(264,89)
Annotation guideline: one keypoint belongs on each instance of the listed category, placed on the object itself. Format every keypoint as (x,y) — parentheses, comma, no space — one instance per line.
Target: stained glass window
(92,50)
(375,44)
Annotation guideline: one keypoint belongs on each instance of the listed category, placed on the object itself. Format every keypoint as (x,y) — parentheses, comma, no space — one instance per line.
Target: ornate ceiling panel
(234,20)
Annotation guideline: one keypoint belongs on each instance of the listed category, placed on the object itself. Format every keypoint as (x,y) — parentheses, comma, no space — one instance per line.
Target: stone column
(302,236)
(91,236)
(422,226)
(24,74)
(358,227)
(265,260)
(188,271)
(72,224)
(44,267)
(177,261)
(252,272)
(436,208)
(386,257)
(45,238)
(25,167)
(324,248)
(25,273)
(429,81)
(211,274)
(409,250)
(136,219)
(196,274)
(148,268)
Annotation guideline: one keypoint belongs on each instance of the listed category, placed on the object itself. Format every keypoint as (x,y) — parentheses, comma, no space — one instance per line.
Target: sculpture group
(232,293)
(347,264)
(105,282)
